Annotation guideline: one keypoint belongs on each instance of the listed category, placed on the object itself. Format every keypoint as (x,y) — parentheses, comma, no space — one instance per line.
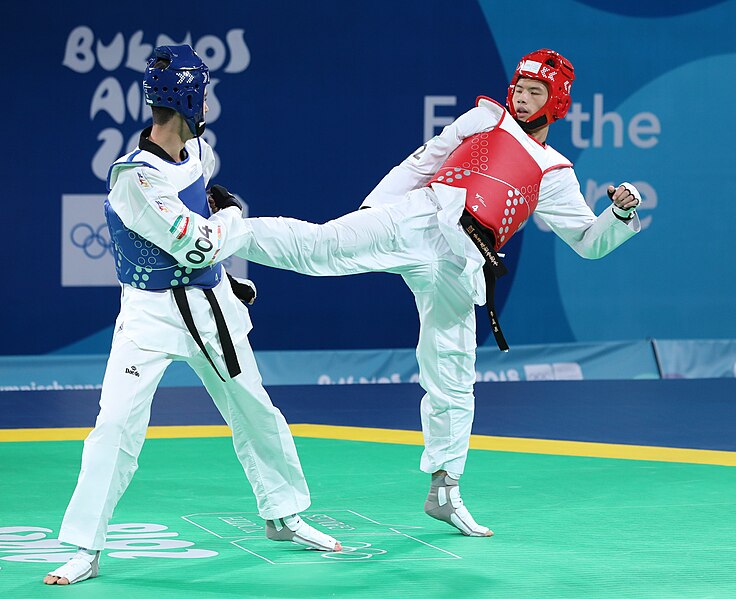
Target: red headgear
(554,70)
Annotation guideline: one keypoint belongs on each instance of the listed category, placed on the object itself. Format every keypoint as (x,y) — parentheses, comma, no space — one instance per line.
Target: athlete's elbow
(592,252)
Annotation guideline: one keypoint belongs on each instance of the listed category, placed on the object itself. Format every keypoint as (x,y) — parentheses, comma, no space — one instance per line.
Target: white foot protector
(293,528)
(444,503)
(82,566)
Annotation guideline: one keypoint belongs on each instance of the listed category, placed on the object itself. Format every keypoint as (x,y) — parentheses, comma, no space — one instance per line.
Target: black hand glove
(244,289)
(222,197)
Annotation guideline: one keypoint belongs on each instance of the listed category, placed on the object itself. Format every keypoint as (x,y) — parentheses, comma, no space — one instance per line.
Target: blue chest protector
(144,265)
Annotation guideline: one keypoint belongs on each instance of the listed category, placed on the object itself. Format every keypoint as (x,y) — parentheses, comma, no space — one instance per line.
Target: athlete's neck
(168,138)
(540,134)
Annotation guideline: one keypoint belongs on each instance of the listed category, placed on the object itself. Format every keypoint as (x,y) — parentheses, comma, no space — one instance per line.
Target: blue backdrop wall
(311,103)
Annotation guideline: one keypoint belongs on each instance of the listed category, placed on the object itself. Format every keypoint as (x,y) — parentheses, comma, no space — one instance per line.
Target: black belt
(493,269)
(228,349)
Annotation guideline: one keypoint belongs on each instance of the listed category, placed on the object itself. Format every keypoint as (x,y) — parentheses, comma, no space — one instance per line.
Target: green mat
(566,527)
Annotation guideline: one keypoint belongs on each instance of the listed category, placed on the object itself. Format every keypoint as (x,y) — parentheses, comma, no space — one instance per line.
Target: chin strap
(531,126)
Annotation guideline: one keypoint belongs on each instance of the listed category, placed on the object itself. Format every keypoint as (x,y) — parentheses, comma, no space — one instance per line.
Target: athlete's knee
(107,430)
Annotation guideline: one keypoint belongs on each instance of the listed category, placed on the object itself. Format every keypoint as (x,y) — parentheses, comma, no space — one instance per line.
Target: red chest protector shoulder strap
(501,178)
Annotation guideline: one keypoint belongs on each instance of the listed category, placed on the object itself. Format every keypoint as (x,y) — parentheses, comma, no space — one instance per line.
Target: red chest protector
(501,178)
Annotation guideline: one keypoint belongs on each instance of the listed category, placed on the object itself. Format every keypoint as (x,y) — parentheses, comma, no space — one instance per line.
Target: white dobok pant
(402,238)
(261,437)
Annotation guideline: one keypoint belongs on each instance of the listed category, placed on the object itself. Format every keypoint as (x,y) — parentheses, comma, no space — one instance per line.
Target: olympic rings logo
(94,243)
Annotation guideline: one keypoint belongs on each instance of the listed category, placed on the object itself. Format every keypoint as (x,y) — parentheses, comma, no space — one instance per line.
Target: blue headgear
(180,85)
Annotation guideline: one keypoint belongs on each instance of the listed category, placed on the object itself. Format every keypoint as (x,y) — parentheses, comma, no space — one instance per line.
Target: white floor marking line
(381,524)
(364,517)
(427,544)
(387,531)
(252,552)
(299,562)
(200,526)
(187,518)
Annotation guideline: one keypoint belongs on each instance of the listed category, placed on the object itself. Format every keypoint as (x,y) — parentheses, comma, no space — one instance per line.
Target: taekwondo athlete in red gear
(436,219)
(177,304)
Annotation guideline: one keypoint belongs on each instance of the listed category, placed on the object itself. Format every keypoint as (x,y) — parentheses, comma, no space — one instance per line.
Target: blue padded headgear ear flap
(179,85)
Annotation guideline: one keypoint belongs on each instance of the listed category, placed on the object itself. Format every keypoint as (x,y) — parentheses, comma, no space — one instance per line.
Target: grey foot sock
(445,504)
(293,528)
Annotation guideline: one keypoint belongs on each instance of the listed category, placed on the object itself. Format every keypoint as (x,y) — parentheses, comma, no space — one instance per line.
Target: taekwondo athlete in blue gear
(177,304)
